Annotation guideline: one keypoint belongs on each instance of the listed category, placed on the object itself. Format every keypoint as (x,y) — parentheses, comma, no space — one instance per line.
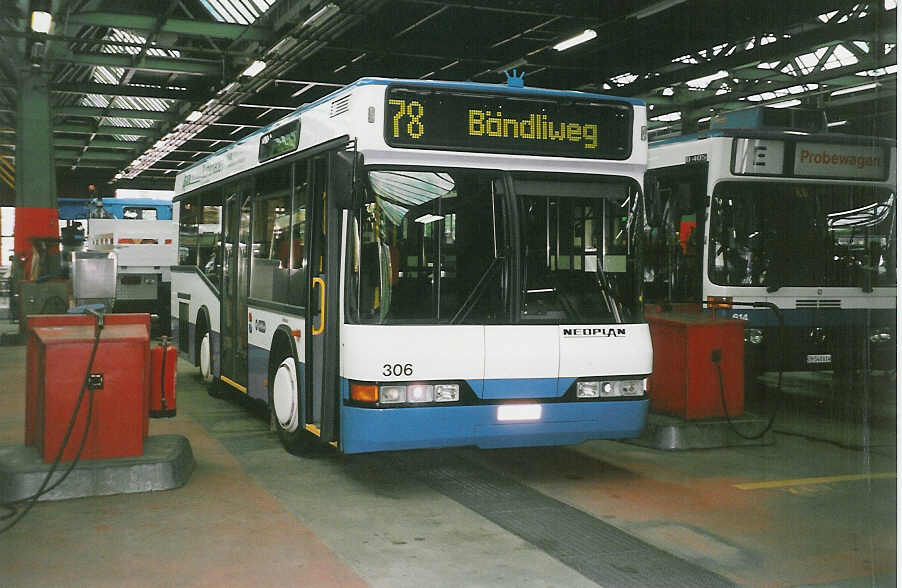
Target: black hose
(163,376)
(715,359)
(44,489)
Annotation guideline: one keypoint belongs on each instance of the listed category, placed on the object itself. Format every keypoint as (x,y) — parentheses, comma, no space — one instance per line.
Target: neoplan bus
(410,264)
(767,206)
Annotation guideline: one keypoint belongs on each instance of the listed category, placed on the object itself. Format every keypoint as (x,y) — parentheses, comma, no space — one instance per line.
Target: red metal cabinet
(684,380)
(59,347)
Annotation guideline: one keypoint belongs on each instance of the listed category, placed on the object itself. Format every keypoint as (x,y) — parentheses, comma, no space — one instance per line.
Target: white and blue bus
(768,207)
(410,264)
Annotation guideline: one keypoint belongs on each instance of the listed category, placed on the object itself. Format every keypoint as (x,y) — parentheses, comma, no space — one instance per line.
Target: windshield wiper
(475,293)
(607,293)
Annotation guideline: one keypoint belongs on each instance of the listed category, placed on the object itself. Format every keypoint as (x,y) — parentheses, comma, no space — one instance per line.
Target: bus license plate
(519,412)
(822,358)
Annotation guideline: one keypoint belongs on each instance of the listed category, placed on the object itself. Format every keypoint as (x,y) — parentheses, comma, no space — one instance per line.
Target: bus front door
(234,317)
(324,246)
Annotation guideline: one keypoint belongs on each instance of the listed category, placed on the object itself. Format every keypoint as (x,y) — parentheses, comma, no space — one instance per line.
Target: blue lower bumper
(566,423)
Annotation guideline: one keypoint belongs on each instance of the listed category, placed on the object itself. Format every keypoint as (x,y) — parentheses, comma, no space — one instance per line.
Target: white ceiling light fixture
(254,68)
(655,8)
(41,21)
(854,89)
(321,15)
(586,35)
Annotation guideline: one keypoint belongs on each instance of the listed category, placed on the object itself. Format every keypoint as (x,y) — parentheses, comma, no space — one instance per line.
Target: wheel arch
(282,343)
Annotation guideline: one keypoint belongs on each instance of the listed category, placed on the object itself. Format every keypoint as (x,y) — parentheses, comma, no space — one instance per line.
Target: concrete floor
(253,515)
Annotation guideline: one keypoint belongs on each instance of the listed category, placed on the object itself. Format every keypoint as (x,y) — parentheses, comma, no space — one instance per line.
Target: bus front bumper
(560,423)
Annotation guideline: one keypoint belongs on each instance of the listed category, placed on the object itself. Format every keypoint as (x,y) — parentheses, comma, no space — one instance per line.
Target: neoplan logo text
(595,332)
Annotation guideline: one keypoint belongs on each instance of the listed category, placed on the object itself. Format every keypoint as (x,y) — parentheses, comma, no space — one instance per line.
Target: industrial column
(36,210)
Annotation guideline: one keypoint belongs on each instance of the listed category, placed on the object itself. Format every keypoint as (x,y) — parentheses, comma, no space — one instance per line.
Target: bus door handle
(322,305)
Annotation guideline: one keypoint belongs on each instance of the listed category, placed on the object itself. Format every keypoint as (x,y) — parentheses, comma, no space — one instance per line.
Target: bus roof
(374,81)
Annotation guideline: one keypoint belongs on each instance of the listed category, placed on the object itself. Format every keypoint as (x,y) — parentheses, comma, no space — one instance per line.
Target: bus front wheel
(205,361)
(285,407)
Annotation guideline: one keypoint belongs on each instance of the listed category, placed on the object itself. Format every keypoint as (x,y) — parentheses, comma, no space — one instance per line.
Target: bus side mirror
(342,179)
(652,203)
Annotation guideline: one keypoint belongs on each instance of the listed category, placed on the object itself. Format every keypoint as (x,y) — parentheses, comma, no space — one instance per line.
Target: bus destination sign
(281,140)
(502,123)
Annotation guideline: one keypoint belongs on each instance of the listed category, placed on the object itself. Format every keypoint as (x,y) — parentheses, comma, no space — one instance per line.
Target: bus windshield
(435,247)
(792,234)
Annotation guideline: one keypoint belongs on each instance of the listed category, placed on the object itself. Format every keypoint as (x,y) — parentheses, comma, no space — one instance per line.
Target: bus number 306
(397,369)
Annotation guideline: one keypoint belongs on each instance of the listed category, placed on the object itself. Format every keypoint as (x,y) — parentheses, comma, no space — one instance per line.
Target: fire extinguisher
(162,399)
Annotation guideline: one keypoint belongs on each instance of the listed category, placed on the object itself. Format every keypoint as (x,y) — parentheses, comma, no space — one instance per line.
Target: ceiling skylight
(237,11)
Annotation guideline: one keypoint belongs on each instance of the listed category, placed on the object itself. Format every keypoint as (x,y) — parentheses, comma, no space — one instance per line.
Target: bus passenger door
(324,251)
(234,321)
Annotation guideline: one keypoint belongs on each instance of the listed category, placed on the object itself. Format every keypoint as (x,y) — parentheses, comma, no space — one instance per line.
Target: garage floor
(818,507)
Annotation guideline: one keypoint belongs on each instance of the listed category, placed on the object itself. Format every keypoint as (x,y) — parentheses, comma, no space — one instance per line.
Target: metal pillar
(36,208)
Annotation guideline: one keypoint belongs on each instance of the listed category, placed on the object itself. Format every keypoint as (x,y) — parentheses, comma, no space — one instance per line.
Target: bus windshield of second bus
(438,247)
(778,235)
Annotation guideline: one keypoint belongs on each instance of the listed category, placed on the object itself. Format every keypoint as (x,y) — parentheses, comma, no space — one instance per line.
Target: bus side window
(297,279)
(271,236)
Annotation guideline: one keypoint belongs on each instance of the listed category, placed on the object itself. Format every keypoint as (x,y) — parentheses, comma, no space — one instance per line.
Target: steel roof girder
(96,111)
(83,129)
(63,142)
(179,26)
(148,63)
(119,90)
(90,155)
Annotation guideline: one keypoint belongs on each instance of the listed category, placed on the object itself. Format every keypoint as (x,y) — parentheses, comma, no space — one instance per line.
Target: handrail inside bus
(322,306)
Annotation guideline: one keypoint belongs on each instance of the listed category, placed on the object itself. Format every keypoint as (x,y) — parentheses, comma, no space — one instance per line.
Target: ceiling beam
(119,90)
(180,26)
(112,112)
(62,142)
(175,65)
(103,130)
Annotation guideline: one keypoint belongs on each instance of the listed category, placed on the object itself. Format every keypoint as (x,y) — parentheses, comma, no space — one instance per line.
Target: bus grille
(819,303)
(340,106)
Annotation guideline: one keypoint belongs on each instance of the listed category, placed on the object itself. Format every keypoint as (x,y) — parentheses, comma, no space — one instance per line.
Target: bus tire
(205,362)
(285,406)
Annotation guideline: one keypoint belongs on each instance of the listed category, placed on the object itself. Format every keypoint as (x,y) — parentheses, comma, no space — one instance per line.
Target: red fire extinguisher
(162,382)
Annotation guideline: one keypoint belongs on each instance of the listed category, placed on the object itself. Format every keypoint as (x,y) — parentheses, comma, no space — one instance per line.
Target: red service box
(163,359)
(59,347)
(684,380)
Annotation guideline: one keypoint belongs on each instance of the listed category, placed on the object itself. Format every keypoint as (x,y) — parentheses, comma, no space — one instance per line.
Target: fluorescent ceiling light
(254,68)
(321,15)
(854,89)
(193,116)
(428,218)
(785,104)
(41,21)
(655,8)
(512,65)
(586,35)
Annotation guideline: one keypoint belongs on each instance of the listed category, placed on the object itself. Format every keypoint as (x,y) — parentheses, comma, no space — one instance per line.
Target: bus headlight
(609,388)
(754,336)
(632,387)
(447,392)
(588,389)
(419,393)
(392,394)
(882,335)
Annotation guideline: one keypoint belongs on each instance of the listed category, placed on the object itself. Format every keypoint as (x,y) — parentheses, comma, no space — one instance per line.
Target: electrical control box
(59,349)
(684,380)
